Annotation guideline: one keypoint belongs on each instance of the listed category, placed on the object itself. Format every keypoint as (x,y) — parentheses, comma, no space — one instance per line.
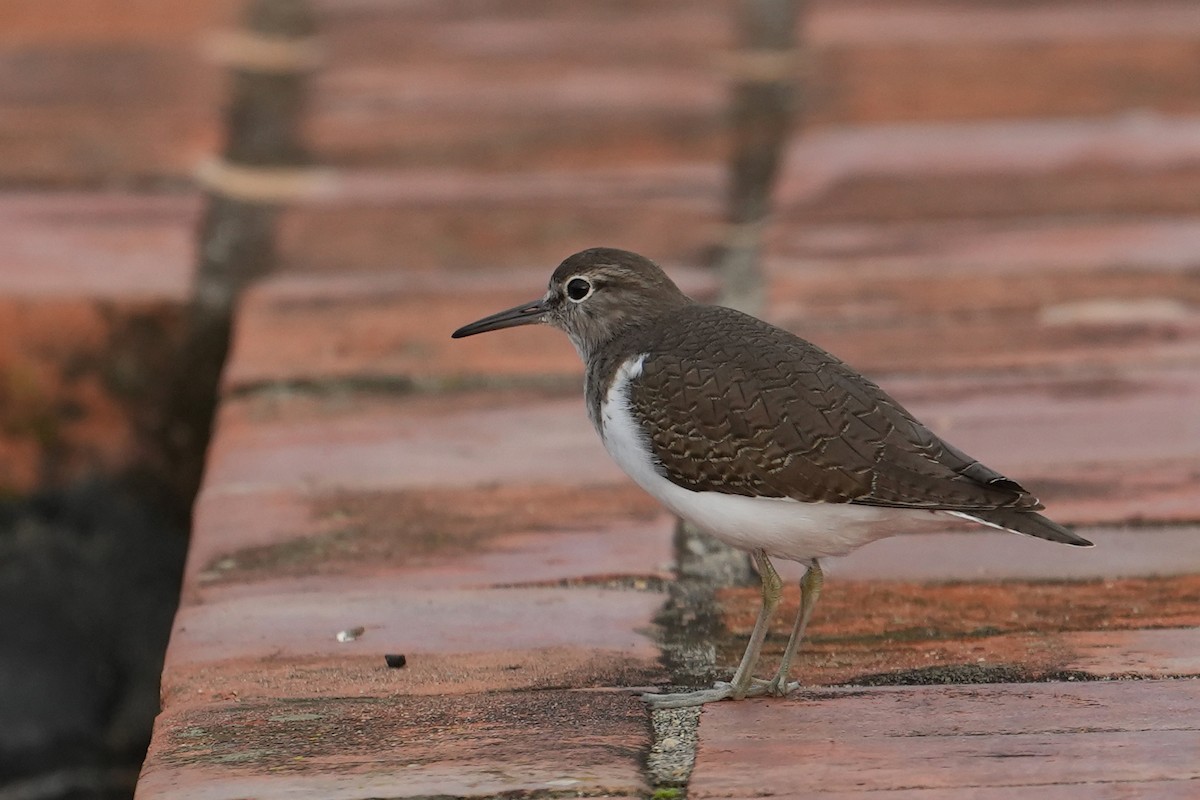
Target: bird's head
(593,296)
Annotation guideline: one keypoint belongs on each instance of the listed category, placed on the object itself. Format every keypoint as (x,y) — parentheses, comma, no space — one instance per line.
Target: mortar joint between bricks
(690,623)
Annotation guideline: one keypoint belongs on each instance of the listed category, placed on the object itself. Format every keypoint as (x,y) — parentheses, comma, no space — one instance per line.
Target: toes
(721,690)
(688,699)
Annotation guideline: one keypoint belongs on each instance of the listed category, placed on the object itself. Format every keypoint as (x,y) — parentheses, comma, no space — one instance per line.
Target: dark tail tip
(1031,524)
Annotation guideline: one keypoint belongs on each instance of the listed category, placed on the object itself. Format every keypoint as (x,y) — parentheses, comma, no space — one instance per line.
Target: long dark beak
(524,314)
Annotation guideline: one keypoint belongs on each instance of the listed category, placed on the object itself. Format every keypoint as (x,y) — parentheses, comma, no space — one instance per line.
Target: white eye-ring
(578,289)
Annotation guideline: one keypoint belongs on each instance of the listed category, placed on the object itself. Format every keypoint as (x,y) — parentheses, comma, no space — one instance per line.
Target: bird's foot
(776,687)
(780,687)
(721,690)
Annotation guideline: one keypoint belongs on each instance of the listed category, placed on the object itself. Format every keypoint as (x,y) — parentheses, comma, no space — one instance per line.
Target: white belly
(782,527)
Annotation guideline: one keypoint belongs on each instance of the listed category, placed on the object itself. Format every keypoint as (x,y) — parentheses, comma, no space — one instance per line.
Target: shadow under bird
(757,436)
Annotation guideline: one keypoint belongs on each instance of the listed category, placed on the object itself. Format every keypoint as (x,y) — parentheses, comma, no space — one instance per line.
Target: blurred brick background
(992,207)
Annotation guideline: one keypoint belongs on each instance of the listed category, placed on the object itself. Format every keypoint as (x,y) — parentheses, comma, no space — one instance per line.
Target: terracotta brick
(1165,652)
(460,219)
(78,384)
(1120,790)
(498,235)
(466,746)
(298,618)
(90,303)
(1002,21)
(975,553)
(872,62)
(226,522)
(97,112)
(500,535)
(68,147)
(392,325)
(367,33)
(1079,738)
(102,91)
(893,632)
(364,673)
(276,637)
(83,22)
(972,409)
(890,61)
(104,245)
(943,297)
(517,87)
(1143,164)
(363,443)
(999,269)
(965,249)
(897,81)
(499,546)
(1086,339)
(427,118)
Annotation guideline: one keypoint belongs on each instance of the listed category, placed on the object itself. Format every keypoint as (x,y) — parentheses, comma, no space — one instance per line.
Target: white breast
(782,527)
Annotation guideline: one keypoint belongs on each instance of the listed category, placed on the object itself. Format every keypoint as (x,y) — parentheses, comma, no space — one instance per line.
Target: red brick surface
(882,60)
(893,631)
(491,536)
(1040,740)
(993,211)
(102,91)
(455,219)
(90,294)
(106,246)
(297,619)
(1161,652)
(501,604)
(974,554)
(1143,163)
(471,745)
(330,514)
(1076,295)
(521,85)
(265,444)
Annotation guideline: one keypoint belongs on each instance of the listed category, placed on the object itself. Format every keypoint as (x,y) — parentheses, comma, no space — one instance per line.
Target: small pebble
(350,634)
(395,661)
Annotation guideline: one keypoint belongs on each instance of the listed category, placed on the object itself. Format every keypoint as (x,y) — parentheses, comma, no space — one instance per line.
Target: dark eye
(578,288)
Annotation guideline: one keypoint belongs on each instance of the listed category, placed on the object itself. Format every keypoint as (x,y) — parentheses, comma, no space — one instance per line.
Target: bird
(757,436)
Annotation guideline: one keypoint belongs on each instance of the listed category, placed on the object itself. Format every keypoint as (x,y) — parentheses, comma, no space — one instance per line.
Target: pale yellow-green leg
(772,590)
(743,683)
(810,590)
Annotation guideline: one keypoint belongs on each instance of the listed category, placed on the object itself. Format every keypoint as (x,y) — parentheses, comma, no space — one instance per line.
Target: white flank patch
(782,527)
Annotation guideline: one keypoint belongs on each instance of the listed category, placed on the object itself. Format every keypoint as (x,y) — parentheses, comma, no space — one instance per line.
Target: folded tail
(1029,523)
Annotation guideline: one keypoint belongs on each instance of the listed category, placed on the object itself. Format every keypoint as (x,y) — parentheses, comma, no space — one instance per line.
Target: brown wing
(734,405)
